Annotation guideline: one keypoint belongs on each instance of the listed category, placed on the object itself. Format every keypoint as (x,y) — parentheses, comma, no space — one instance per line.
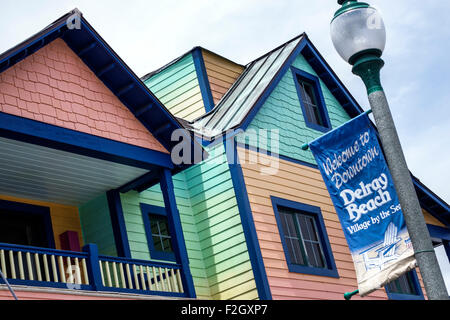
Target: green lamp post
(359,36)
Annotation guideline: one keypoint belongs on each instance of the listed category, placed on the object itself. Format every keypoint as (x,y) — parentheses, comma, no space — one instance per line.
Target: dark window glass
(403,285)
(310,103)
(302,238)
(160,233)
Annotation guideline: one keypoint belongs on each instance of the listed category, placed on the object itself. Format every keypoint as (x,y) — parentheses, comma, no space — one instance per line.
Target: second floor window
(312,112)
(160,233)
(311,100)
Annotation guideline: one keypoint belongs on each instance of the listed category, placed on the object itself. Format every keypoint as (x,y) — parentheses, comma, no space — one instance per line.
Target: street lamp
(359,36)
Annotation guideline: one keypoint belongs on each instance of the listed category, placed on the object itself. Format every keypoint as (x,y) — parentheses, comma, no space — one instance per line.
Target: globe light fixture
(359,36)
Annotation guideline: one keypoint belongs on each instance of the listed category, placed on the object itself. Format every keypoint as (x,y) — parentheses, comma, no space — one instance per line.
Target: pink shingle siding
(54,86)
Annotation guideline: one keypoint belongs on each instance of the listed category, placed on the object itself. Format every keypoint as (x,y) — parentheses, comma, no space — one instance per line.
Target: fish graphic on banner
(357,177)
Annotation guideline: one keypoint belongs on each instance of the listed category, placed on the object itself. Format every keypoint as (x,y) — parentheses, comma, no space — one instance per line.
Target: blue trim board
(47,135)
(314,81)
(179,244)
(43,212)
(315,212)
(439,232)
(202,77)
(118,224)
(147,212)
(254,250)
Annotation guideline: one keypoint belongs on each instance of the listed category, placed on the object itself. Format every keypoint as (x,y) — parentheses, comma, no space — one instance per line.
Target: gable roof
(240,104)
(242,96)
(109,68)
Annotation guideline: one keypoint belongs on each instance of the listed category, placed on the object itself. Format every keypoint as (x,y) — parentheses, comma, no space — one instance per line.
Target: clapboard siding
(287,184)
(221,236)
(138,239)
(178,89)
(222,73)
(97,227)
(282,111)
(64,218)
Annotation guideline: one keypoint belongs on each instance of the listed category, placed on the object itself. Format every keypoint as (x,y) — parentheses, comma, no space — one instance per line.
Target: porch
(89,271)
(48,242)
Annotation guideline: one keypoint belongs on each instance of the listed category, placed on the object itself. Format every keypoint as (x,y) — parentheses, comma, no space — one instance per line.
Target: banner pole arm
(349,295)
(305,147)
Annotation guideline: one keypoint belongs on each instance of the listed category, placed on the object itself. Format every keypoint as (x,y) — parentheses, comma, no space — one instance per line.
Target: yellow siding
(429,219)
(222,73)
(64,218)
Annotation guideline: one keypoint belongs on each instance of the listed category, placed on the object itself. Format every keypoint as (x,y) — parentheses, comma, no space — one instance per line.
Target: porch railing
(42,267)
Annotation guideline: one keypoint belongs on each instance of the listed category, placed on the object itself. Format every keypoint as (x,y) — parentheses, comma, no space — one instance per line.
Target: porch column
(173,217)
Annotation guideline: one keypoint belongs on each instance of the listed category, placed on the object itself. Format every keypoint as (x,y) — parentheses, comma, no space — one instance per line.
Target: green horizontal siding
(96,225)
(282,111)
(226,260)
(138,239)
(177,87)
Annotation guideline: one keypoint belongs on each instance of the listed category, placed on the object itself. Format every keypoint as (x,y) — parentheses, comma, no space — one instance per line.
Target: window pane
(160,233)
(402,285)
(157,243)
(288,225)
(309,95)
(167,244)
(295,251)
(154,226)
(164,227)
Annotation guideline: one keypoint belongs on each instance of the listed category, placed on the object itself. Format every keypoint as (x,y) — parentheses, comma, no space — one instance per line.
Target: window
(304,238)
(25,224)
(405,288)
(311,100)
(159,232)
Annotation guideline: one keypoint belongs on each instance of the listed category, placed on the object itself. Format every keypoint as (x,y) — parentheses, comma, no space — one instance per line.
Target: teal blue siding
(282,111)
(96,225)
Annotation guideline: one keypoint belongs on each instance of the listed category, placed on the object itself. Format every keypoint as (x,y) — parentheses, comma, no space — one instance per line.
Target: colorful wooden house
(94,207)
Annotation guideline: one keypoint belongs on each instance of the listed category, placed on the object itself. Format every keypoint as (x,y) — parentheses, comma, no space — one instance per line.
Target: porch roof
(40,173)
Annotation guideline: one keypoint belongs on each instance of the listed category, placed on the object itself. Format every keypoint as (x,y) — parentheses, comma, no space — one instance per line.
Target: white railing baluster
(130,282)
(77,272)
(122,276)
(20,261)
(180,283)
(54,269)
(161,278)
(141,271)
(38,267)
(69,270)
(116,279)
(30,267)
(3,263)
(172,280)
(108,274)
(149,279)
(62,272)
(168,280)
(155,279)
(46,271)
(101,271)
(12,264)
(85,272)
(136,281)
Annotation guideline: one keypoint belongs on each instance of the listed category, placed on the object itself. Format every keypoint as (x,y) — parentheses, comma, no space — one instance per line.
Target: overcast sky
(148,34)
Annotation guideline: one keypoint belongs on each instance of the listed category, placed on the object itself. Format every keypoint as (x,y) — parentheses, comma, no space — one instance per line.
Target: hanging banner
(357,177)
